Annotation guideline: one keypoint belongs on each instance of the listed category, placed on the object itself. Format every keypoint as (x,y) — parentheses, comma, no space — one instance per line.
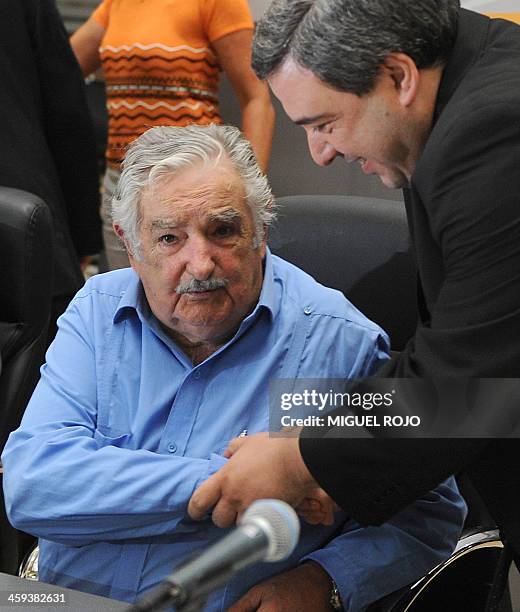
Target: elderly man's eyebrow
(230,214)
(165,224)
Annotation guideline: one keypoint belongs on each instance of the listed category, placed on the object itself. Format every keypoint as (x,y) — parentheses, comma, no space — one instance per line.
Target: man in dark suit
(426,96)
(48,145)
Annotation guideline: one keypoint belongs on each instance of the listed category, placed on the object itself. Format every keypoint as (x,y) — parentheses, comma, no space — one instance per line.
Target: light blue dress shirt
(122,428)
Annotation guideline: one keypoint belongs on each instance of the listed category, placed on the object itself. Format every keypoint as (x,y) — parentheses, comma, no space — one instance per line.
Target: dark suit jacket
(463,208)
(47,145)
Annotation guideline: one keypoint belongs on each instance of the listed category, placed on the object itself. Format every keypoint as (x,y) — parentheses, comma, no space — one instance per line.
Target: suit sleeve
(68,125)
(472,196)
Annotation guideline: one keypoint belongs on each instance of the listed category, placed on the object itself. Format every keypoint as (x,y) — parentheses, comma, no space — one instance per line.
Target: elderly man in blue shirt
(156,367)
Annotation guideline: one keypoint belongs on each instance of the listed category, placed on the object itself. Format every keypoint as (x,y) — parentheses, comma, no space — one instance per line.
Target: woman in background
(161,61)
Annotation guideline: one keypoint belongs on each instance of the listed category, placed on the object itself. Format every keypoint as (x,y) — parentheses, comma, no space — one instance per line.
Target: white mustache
(198,286)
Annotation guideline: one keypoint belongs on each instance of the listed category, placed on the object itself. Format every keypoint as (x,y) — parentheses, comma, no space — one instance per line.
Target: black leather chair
(463,582)
(25,297)
(361,246)
(358,245)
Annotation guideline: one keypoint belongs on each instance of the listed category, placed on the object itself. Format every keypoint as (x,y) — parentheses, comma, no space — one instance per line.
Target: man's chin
(204,324)
(394,182)
(205,332)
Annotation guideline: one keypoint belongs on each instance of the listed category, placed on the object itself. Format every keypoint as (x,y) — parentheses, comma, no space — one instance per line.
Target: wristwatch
(335,599)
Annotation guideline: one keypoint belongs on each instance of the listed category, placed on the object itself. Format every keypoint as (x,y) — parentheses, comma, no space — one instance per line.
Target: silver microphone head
(280,524)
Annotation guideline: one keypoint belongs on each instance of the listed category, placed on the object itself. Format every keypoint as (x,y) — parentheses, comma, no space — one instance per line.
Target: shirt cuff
(215,463)
(335,568)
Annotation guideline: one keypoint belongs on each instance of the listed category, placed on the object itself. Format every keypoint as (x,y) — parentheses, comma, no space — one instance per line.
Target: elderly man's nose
(200,260)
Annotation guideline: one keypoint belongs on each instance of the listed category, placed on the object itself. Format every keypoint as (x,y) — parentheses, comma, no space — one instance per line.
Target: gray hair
(162,151)
(344,42)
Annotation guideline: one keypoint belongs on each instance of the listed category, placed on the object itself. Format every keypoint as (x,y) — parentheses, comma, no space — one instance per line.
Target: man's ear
(121,234)
(263,244)
(263,248)
(406,77)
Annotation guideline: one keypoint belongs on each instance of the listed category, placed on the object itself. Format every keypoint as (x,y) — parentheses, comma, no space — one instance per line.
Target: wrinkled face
(367,129)
(199,270)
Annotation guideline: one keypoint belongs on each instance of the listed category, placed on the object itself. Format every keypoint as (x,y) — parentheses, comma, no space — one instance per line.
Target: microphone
(268,531)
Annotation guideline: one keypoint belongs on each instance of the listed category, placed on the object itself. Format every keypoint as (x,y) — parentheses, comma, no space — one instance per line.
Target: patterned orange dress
(158,63)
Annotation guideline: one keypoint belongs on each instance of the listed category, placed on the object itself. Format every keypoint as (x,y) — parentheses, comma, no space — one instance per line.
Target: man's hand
(259,467)
(317,508)
(305,588)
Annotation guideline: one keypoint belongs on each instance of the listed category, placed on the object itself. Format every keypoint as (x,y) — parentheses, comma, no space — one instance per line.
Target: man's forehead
(305,98)
(176,198)
(206,192)
(289,78)
(196,181)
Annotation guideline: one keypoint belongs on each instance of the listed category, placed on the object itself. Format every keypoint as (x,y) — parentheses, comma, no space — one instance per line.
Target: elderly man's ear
(121,234)
(265,239)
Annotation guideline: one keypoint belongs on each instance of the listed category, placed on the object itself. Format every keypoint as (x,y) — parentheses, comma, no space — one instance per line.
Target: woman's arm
(85,44)
(234,54)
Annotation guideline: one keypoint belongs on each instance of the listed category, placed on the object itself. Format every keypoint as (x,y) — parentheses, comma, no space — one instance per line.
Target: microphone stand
(164,595)
(193,606)
(258,538)
(168,594)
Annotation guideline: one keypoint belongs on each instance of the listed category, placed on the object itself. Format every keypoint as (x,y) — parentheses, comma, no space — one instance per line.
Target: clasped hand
(259,467)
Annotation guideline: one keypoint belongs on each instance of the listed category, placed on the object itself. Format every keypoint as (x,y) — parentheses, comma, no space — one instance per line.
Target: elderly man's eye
(168,239)
(224,231)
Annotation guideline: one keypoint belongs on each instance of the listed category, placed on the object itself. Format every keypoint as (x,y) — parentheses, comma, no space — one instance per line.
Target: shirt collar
(268,295)
(134,298)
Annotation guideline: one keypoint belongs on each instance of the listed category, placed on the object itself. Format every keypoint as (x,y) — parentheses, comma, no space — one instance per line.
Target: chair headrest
(360,246)
(26,260)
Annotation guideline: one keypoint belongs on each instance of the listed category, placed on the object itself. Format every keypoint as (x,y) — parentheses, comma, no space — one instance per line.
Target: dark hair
(344,42)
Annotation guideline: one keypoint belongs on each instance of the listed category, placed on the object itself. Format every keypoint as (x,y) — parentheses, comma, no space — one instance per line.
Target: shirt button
(307,310)
(196,375)
(172,447)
